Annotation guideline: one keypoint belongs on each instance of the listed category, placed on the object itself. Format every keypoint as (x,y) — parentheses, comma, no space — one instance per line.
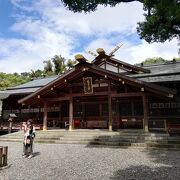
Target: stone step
(70,136)
(100,137)
(54,140)
(106,143)
(116,133)
(116,140)
(116,136)
(122,136)
(124,144)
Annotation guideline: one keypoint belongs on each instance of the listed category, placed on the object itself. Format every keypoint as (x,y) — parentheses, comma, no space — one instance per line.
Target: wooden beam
(113,94)
(57,99)
(93,94)
(94,82)
(131,94)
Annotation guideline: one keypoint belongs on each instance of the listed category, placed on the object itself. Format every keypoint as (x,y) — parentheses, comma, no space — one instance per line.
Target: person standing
(29,135)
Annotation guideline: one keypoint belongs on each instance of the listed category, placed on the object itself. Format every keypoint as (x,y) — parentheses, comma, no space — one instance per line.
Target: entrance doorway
(91,115)
(127,114)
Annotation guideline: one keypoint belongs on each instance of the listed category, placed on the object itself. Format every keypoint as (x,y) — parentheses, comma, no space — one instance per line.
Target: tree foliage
(162,20)
(70,64)
(54,66)
(10,80)
(91,5)
(48,67)
(156,60)
(57,65)
(162,17)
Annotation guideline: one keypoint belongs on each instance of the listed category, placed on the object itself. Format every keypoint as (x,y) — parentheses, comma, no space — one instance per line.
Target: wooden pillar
(110,107)
(145,108)
(19,117)
(117,115)
(45,117)
(60,115)
(1,156)
(39,113)
(5,154)
(10,125)
(83,115)
(70,110)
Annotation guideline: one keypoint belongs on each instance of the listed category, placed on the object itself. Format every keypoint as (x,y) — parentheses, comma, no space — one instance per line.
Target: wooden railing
(3,156)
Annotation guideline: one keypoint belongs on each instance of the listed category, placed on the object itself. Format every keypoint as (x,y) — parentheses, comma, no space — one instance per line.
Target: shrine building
(106,93)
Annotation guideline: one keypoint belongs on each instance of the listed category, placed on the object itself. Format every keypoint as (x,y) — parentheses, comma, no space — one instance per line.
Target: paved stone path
(80,162)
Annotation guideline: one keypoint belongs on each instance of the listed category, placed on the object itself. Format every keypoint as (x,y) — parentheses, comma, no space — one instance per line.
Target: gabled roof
(84,67)
(131,68)
(26,88)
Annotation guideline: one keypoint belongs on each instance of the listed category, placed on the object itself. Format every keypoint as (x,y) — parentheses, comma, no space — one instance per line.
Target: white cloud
(23,55)
(122,18)
(48,29)
(136,53)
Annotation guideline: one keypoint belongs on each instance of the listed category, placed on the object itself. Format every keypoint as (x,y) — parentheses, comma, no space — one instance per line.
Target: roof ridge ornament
(100,51)
(92,53)
(80,58)
(115,49)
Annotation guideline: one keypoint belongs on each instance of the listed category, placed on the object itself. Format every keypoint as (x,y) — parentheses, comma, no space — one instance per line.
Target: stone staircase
(123,138)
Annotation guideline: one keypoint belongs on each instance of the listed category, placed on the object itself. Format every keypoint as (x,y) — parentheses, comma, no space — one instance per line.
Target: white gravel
(80,162)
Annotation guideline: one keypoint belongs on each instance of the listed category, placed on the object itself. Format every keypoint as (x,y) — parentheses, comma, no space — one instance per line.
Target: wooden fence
(3,156)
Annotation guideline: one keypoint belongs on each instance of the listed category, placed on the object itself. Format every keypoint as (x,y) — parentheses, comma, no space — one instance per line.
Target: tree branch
(91,5)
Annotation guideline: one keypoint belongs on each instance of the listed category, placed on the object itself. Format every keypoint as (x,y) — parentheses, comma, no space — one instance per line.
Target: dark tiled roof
(159,69)
(35,83)
(160,72)
(27,88)
(169,78)
(166,68)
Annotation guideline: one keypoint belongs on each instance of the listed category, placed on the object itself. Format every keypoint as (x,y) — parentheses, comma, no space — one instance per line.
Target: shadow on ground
(36,154)
(165,166)
(145,172)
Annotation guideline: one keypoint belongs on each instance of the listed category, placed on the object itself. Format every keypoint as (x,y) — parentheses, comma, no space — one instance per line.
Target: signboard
(88,86)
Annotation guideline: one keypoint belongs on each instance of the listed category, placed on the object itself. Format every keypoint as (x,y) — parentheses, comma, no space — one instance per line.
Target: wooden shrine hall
(93,95)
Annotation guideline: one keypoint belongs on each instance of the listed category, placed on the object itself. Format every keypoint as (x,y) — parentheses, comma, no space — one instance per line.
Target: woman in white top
(29,135)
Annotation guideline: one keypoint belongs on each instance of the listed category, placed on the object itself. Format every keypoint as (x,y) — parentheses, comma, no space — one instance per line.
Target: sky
(33,31)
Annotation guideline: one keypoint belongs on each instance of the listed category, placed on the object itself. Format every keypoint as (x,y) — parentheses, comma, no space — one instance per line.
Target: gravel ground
(80,162)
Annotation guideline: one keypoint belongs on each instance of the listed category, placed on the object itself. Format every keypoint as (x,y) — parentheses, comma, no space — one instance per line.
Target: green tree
(155,60)
(162,17)
(10,80)
(48,68)
(54,66)
(59,64)
(36,73)
(25,74)
(162,20)
(70,64)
